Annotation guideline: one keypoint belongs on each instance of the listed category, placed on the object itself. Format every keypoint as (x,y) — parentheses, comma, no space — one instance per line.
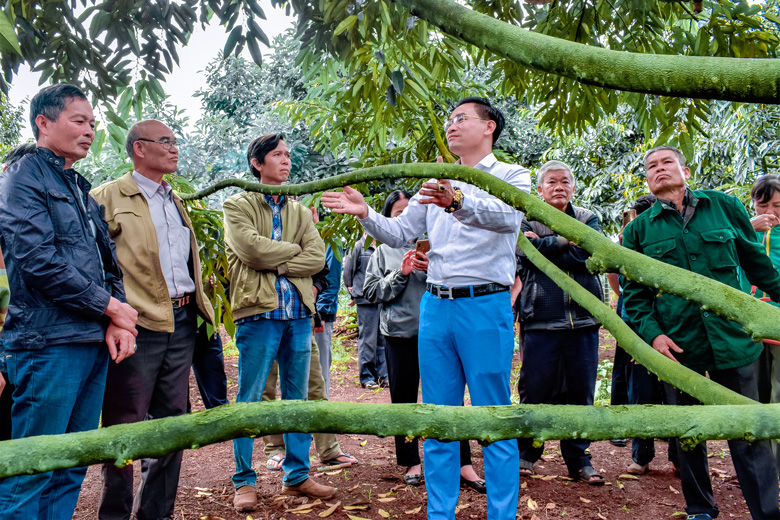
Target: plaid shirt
(291,306)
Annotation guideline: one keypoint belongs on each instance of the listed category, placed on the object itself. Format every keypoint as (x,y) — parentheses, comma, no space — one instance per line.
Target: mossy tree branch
(758,318)
(124,443)
(690,382)
(734,79)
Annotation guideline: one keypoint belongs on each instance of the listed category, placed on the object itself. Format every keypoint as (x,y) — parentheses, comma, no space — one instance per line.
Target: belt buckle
(444,292)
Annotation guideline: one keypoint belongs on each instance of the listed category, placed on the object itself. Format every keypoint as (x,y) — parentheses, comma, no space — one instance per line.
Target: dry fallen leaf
(386,499)
(301,512)
(524,485)
(531,504)
(201,489)
(534,517)
(550,477)
(383,513)
(461,507)
(585,500)
(209,517)
(355,508)
(601,516)
(630,477)
(674,490)
(413,511)
(353,488)
(357,518)
(551,505)
(304,506)
(333,472)
(385,495)
(330,510)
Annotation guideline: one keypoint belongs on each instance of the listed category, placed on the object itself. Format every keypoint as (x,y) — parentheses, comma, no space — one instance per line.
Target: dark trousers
(372,365)
(152,383)
(5,410)
(208,364)
(545,353)
(403,367)
(621,371)
(753,461)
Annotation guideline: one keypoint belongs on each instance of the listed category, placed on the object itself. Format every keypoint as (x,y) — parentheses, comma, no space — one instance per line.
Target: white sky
(185,79)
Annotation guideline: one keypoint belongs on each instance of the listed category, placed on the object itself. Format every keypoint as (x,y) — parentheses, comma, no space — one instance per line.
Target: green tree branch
(733,79)
(124,443)
(758,318)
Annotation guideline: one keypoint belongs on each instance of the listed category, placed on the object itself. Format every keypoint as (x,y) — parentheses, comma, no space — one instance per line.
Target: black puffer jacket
(544,305)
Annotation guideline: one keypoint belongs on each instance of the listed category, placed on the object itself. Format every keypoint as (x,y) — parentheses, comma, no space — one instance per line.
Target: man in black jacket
(560,338)
(68,313)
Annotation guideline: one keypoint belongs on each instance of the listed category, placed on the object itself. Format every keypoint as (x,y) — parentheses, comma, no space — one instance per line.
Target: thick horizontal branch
(732,79)
(690,382)
(127,442)
(759,319)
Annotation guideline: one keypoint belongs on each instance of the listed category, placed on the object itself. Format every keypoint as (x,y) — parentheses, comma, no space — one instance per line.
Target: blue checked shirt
(291,306)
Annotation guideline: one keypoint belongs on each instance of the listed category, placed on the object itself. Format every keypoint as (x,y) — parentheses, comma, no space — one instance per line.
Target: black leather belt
(440,291)
(183,301)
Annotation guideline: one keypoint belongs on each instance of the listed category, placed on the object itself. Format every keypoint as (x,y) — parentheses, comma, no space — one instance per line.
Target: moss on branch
(124,443)
(734,79)
(760,319)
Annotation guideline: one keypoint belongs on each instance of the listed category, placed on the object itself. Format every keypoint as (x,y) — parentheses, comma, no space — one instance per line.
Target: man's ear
(490,127)
(42,122)
(257,166)
(687,172)
(539,189)
(138,149)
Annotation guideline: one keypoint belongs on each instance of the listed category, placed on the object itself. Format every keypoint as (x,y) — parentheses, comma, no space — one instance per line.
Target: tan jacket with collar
(252,253)
(130,226)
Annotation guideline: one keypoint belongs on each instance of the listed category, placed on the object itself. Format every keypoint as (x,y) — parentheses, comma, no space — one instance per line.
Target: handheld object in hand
(423,246)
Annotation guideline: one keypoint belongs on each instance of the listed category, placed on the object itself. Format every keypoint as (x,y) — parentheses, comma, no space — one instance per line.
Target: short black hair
(392,199)
(260,147)
(51,101)
(644,203)
(486,110)
(19,152)
(765,188)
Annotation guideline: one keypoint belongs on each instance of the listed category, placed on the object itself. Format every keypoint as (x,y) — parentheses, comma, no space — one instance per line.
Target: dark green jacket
(715,239)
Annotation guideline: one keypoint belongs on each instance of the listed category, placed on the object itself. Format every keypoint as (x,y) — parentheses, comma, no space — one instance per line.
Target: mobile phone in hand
(423,246)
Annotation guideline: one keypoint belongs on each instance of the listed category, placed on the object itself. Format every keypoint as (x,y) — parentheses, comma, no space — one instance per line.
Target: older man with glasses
(466,335)
(159,258)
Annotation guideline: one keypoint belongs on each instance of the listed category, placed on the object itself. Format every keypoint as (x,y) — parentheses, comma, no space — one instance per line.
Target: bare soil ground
(372,489)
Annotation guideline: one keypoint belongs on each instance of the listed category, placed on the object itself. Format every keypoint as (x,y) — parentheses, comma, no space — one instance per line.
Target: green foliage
(11,120)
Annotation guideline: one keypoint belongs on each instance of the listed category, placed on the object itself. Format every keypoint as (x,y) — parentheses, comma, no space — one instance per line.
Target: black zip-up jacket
(544,305)
(61,274)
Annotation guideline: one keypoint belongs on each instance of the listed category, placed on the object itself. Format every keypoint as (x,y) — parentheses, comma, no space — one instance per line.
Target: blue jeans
(544,353)
(259,343)
(59,389)
(468,341)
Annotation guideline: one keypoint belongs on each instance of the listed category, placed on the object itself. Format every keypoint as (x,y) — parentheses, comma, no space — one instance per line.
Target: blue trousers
(468,341)
(544,353)
(59,389)
(259,343)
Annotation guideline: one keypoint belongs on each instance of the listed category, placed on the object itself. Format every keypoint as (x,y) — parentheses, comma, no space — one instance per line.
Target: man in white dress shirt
(158,255)
(466,335)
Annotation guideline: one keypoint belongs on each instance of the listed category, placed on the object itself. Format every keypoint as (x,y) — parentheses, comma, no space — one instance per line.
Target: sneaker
(370,384)
(245,499)
(311,489)
(699,516)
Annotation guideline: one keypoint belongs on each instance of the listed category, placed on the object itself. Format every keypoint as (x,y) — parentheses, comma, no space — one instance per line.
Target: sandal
(588,475)
(526,468)
(275,463)
(336,461)
(478,485)
(637,469)
(412,479)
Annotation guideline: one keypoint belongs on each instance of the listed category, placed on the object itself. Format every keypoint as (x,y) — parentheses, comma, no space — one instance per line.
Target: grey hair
(132,136)
(677,152)
(552,165)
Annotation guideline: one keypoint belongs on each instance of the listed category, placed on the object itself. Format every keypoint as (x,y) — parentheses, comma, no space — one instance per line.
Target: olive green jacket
(252,253)
(715,241)
(131,228)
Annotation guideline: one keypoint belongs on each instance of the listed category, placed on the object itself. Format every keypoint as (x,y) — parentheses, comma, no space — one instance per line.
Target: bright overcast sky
(186,79)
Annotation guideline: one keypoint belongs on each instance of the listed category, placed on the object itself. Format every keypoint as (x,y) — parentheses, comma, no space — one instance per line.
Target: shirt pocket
(124,219)
(65,217)
(721,248)
(664,250)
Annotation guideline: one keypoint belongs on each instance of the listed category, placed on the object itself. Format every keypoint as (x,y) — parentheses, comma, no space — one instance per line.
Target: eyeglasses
(165,142)
(459,119)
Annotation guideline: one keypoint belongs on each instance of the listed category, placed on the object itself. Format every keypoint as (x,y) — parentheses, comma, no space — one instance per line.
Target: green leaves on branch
(127,442)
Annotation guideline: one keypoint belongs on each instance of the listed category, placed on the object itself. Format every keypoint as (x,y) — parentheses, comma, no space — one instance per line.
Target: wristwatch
(457,201)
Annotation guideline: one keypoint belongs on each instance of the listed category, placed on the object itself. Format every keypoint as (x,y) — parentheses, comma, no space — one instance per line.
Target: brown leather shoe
(311,489)
(245,499)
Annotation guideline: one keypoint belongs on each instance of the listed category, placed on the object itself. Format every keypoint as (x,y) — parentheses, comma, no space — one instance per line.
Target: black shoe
(384,383)
(620,443)
(476,485)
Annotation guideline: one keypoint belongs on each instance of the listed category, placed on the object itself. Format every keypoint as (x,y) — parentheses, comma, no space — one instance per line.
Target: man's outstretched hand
(349,201)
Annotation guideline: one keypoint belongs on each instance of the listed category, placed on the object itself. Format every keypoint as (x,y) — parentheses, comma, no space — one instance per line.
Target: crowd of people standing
(107,311)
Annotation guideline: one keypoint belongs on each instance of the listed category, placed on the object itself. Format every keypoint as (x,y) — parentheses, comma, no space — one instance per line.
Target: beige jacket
(132,229)
(251,252)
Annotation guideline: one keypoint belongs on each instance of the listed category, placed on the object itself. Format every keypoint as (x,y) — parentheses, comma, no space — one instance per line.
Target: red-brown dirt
(206,492)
